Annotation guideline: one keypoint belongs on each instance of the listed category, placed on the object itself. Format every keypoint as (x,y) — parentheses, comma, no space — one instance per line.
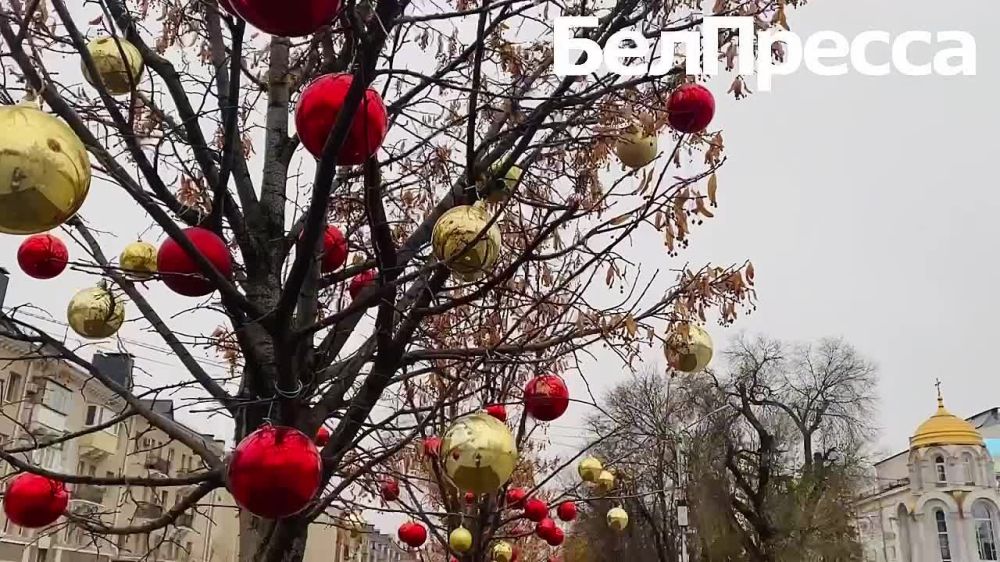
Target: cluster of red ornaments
(537,511)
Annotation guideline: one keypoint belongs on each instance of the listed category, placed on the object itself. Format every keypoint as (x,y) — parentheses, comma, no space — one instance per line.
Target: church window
(968,475)
(944,545)
(942,476)
(985,532)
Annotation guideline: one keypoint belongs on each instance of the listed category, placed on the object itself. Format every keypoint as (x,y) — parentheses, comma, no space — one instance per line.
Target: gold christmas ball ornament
(96,313)
(44,171)
(478,453)
(460,540)
(499,189)
(635,148)
(617,518)
(459,241)
(138,260)
(605,481)
(118,74)
(502,552)
(589,469)
(688,348)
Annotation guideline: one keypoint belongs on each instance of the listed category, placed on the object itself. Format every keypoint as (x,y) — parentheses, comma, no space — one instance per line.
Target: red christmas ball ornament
(555,537)
(498,411)
(179,270)
(361,281)
(515,497)
(390,489)
(288,18)
(690,108)
(566,511)
(546,397)
(432,446)
(535,509)
(545,528)
(316,114)
(42,256)
(322,436)
(227,6)
(413,534)
(34,501)
(470,498)
(274,472)
(334,250)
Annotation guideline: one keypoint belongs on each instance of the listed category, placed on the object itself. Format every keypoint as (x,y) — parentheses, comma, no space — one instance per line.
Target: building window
(985,533)
(57,397)
(49,457)
(942,533)
(13,387)
(942,476)
(968,475)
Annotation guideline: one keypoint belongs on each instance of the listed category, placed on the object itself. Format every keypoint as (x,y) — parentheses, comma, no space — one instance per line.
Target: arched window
(968,474)
(944,545)
(942,475)
(986,537)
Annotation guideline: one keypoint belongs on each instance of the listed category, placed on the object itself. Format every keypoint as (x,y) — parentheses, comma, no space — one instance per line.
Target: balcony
(159,464)
(88,493)
(43,420)
(98,445)
(185,520)
(148,510)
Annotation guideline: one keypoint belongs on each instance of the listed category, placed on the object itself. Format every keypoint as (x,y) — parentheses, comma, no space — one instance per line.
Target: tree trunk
(264,540)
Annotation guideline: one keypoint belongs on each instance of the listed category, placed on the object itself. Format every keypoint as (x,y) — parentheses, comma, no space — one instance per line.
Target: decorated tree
(385,215)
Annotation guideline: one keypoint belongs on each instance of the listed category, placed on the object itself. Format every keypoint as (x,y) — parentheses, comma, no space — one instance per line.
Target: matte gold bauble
(44,171)
(96,313)
(498,190)
(605,481)
(617,518)
(460,540)
(502,551)
(459,241)
(589,469)
(635,148)
(114,70)
(138,260)
(688,348)
(478,453)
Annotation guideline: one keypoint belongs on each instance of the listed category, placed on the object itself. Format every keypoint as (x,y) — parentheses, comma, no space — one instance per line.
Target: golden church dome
(945,428)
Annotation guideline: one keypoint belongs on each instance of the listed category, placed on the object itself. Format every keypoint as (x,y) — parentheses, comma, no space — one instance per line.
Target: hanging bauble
(459,241)
(636,147)
(34,501)
(274,472)
(479,453)
(44,171)
(42,256)
(96,313)
(544,528)
(566,511)
(535,510)
(470,498)
(617,518)
(546,397)
(289,18)
(389,489)
(515,497)
(498,411)
(334,250)
(360,282)
(322,436)
(118,73)
(432,446)
(502,551)
(182,274)
(605,481)
(499,189)
(589,469)
(460,540)
(688,348)
(413,534)
(555,537)
(138,260)
(690,108)
(316,115)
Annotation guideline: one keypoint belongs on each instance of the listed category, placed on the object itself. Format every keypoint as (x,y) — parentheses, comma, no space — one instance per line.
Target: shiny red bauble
(360,282)
(322,436)
(535,510)
(316,114)
(498,411)
(287,18)
(432,446)
(413,534)
(470,498)
(515,497)
(42,256)
(389,489)
(566,511)
(182,274)
(34,501)
(555,537)
(334,250)
(545,528)
(690,108)
(275,472)
(546,397)
(227,6)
